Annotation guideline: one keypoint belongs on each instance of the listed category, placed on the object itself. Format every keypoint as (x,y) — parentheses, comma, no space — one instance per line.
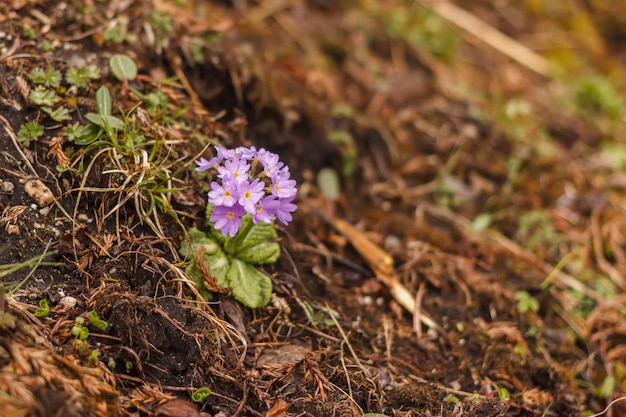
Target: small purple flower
(224,194)
(246,153)
(270,162)
(242,189)
(249,194)
(283,186)
(234,168)
(266,210)
(284,210)
(225,153)
(204,164)
(227,219)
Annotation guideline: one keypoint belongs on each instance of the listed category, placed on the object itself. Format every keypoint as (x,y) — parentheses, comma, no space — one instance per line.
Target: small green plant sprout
(81,77)
(117,31)
(42,97)
(252,189)
(79,330)
(93,356)
(607,388)
(451,398)
(74,132)
(48,77)
(124,69)
(59,114)
(324,315)
(30,131)
(526,303)
(101,122)
(503,393)
(44,309)
(98,323)
(200,395)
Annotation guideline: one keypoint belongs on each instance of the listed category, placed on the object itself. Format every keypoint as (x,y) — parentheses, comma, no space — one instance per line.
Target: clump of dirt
(481,276)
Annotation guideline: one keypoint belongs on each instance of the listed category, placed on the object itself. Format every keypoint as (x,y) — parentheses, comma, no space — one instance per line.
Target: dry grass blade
(382,265)
(489,35)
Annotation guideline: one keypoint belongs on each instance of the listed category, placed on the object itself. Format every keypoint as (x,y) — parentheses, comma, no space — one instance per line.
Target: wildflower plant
(250,191)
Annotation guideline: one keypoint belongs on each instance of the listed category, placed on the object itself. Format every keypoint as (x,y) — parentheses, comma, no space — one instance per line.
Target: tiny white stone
(68,301)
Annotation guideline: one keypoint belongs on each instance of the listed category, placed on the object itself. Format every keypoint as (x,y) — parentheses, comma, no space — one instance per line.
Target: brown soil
(325,85)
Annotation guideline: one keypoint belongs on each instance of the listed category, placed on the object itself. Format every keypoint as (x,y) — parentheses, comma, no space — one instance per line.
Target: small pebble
(82,217)
(39,192)
(7,187)
(13,229)
(68,301)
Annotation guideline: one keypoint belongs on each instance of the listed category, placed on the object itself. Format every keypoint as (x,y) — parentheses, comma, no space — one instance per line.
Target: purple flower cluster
(239,189)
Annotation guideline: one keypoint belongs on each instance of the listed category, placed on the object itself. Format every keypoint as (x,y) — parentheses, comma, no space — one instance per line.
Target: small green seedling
(42,97)
(526,303)
(43,310)
(79,330)
(117,31)
(98,323)
(93,356)
(451,398)
(200,395)
(59,114)
(48,77)
(74,132)
(31,131)
(82,77)
(324,315)
(102,121)
(503,393)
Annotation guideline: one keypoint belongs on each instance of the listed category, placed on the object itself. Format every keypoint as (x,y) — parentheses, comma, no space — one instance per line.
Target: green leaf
(98,322)
(104,101)
(249,286)
(44,309)
(192,273)
(263,253)
(200,395)
(103,121)
(41,97)
(91,134)
(59,114)
(607,388)
(252,238)
(123,67)
(213,257)
(29,132)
